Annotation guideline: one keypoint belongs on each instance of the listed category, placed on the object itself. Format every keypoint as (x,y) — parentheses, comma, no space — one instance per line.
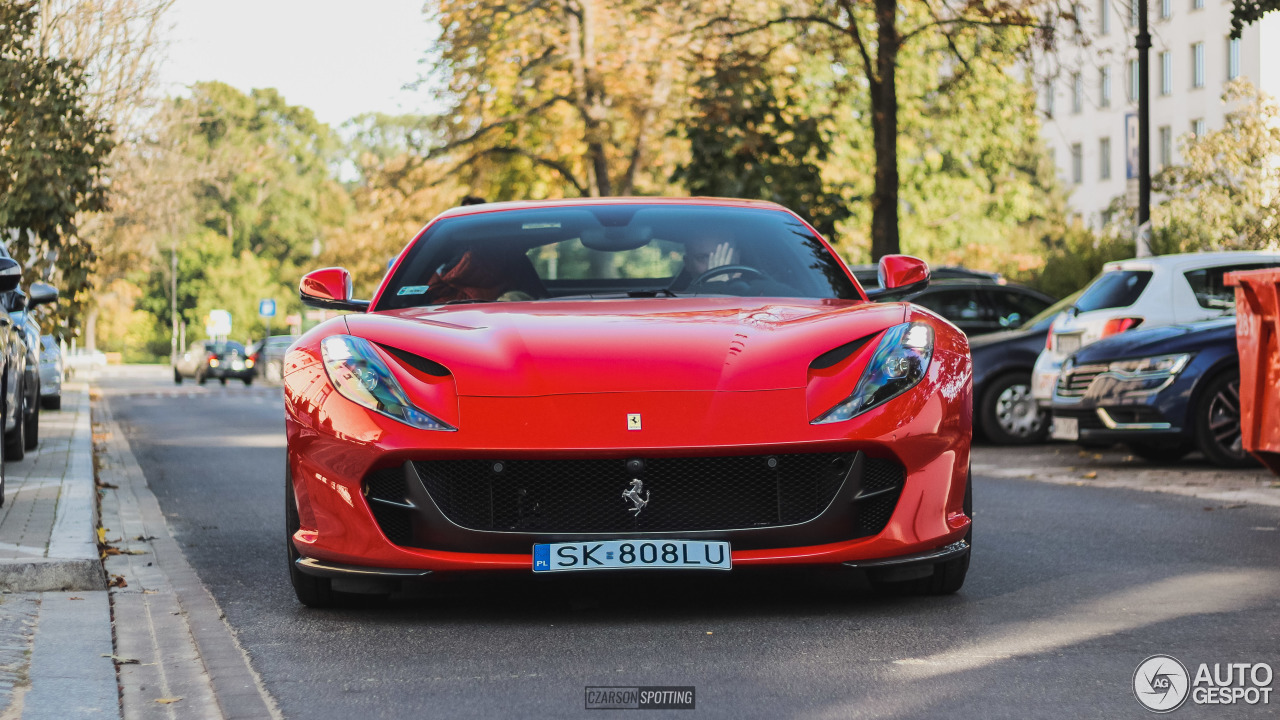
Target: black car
(219,359)
(1003,410)
(1164,391)
(978,307)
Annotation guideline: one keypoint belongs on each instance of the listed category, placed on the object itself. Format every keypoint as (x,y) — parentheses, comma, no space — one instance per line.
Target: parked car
(268,357)
(978,306)
(221,360)
(26,436)
(1145,292)
(1164,391)
(50,373)
(82,360)
(13,358)
(508,402)
(1003,410)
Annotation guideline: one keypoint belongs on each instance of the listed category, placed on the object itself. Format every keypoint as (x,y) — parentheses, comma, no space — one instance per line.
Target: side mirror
(899,275)
(10,274)
(42,294)
(329,289)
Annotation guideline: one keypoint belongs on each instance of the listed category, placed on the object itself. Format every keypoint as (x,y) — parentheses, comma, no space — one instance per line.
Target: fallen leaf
(121,660)
(1092,475)
(145,538)
(102,536)
(167,701)
(107,486)
(75,598)
(1097,456)
(117,581)
(708,632)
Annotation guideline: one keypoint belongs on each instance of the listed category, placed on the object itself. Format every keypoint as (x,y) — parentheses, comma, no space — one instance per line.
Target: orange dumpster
(1258,338)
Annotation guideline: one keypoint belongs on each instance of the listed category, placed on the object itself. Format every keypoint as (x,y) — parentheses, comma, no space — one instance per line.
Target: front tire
(314,592)
(248,381)
(1217,422)
(33,427)
(177,377)
(1009,414)
(15,443)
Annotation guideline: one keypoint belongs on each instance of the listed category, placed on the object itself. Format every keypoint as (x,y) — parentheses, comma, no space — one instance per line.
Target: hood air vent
(417,362)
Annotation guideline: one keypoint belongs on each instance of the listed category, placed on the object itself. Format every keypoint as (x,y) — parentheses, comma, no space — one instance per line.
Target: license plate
(1068,344)
(616,554)
(1066,429)
(237,365)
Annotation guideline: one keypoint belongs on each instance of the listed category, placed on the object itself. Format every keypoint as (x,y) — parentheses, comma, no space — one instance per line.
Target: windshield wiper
(467,301)
(665,292)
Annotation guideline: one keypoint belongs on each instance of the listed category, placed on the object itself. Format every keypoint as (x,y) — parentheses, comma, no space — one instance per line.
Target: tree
(752,134)
(53,152)
(872,37)
(1247,12)
(1226,193)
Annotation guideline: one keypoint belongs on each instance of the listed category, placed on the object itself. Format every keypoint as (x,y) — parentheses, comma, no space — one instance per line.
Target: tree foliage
(53,149)
(1247,12)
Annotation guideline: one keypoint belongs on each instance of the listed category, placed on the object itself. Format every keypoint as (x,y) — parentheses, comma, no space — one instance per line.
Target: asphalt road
(1069,590)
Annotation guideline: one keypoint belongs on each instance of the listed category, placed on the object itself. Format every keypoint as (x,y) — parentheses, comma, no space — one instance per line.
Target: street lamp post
(1144,131)
(173,306)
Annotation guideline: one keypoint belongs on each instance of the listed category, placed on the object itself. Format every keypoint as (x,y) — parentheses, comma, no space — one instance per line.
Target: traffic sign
(267,307)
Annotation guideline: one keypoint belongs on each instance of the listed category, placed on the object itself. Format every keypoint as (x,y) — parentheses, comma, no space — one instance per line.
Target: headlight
(360,376)
(1158,365)
(900,361)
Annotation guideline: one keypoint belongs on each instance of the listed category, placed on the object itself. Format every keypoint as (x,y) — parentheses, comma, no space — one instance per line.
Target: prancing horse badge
(633,421)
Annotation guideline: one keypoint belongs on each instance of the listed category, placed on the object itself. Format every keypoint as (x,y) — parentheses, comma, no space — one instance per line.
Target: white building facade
(1092,85)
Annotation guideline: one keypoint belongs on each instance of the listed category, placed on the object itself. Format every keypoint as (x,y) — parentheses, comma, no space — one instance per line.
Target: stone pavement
(55,613)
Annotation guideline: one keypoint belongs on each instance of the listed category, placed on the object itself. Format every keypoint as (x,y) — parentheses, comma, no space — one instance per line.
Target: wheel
(1160,452)
(1217,422)
(15,443)
(177,377)
(201,378)
(248,381)
(222,381)
(312,591)
(1009,415)
(33,427)
(51,402)
(948,576)
(4,413)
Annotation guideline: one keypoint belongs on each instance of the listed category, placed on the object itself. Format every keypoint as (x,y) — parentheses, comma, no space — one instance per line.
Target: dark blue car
(1164,391)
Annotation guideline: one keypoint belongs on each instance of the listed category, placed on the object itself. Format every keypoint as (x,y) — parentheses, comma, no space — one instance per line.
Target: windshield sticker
(413,289)
(539,225)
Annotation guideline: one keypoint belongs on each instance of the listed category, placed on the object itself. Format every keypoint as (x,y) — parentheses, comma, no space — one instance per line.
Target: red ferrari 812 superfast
(625,385)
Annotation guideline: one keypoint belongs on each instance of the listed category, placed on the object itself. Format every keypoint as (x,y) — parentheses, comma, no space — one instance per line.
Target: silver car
(50,373)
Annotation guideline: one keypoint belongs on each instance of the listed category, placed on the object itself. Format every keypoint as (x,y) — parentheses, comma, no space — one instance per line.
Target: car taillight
(1115,326)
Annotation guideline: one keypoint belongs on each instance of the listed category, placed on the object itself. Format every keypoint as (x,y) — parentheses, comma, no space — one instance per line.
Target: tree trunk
(884,124)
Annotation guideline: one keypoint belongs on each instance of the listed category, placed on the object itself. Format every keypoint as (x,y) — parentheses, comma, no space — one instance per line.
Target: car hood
(634,345)
(1166,340)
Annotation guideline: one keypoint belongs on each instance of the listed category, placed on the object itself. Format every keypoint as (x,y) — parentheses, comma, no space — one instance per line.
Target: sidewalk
(55,613)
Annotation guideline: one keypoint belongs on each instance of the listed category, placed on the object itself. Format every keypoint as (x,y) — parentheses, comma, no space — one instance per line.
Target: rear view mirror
(330,289)
(899,275)
(10,274)
(42,294)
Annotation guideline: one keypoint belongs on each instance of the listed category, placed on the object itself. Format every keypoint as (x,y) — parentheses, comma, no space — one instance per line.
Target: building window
(1197,4)
(1166,73)
(1197,65)
(1197,127)
(1133,81)
(1048,98)
(1166,9)
(1233,58)
(1104,158)
(1166,146)
(1104,86)
(1077,163)
(1077,93)
(1104,17)
(1133,12)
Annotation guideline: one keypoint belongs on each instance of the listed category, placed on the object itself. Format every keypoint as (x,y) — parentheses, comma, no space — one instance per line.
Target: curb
(72,562)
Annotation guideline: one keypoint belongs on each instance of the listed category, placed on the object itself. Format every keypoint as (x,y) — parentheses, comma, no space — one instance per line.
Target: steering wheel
(726,269)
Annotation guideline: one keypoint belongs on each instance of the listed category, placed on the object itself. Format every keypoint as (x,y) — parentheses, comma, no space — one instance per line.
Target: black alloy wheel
(314,592)
(33,424)
(15,443)
(1009,415)
(1217,422)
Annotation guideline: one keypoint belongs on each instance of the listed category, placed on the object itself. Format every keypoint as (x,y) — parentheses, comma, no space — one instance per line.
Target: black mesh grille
(384,487)
(585,496)
(873,513)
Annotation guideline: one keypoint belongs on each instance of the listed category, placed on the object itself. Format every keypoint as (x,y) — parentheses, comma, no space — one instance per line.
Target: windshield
(615,251)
